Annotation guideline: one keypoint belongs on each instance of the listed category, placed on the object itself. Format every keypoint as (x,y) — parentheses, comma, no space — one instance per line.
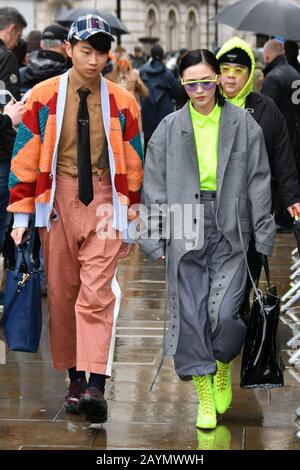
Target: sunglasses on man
(235,70)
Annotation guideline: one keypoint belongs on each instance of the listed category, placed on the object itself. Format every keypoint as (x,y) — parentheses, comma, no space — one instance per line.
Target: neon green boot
(207,418)
(222,387)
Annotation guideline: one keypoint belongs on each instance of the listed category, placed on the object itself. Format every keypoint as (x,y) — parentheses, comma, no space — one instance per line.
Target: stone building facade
(176,23)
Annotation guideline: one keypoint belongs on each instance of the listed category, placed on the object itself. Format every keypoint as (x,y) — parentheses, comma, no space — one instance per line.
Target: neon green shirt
(206,132)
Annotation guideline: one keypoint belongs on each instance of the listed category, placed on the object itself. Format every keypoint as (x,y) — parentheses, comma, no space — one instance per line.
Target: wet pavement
(32,412)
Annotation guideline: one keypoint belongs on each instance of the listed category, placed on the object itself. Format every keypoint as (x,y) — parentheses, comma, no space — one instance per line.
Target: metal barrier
(288,301)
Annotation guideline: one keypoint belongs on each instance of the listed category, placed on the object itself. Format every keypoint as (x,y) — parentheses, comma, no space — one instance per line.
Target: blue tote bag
(22,318)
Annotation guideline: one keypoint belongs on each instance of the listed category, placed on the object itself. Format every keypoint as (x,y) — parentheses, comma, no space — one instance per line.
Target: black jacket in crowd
(42,65)
(162,87)
(295,64)
(7,138)
(9,71)
(281,157)
(278,85)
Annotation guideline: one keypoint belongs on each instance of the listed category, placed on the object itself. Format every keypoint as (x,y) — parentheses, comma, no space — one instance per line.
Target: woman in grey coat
(206,166)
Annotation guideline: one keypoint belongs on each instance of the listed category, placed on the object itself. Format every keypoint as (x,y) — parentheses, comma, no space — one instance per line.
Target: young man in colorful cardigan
(80,251)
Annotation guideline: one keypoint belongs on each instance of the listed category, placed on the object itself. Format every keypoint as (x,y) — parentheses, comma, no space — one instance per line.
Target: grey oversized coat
(172,178)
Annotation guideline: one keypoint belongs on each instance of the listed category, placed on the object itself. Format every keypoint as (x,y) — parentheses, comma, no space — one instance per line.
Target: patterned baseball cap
(86,26)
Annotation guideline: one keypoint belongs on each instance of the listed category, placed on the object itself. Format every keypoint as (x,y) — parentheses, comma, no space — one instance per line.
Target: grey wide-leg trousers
(198,348)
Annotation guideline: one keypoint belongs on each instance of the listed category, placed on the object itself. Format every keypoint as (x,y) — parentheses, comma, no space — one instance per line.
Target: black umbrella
(67,17)
(270,17)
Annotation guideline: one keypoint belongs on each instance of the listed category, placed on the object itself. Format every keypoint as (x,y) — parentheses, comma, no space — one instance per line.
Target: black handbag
(22,318)
(262,365)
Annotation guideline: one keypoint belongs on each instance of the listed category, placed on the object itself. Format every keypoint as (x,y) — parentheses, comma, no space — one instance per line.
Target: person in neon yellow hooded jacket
(234,56)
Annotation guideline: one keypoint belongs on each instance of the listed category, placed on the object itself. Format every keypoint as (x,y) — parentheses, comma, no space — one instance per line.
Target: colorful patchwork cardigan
(33,169)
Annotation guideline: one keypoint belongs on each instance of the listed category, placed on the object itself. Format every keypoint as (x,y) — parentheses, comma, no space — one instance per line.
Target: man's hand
(124,250)
(15,111)
(17,234)
(294,210)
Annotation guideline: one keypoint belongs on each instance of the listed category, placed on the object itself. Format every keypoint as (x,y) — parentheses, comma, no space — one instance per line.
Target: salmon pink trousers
(83,293)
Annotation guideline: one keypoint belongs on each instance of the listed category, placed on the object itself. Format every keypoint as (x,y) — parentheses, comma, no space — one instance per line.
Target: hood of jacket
(155,67)
(236,42)
(156,77)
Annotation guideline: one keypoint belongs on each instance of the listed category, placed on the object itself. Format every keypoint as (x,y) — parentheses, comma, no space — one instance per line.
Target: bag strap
(25,252)
(257,293)
(266,268)
(245,256)
(23,259)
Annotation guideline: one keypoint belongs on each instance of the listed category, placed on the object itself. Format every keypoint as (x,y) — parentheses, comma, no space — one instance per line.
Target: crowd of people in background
(153,81)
